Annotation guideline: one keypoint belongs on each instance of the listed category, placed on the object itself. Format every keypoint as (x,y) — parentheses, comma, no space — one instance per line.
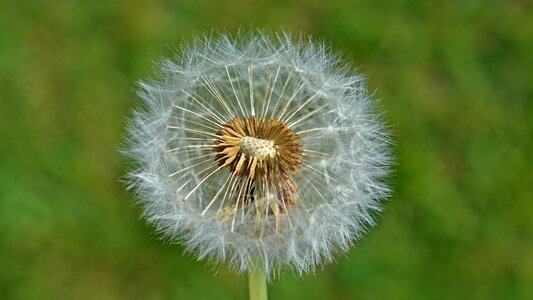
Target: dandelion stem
(257,283)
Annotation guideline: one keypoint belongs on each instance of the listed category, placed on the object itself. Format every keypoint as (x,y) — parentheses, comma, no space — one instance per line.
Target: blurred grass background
(456,80)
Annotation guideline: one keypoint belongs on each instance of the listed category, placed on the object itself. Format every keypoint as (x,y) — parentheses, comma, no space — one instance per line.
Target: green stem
(258,285)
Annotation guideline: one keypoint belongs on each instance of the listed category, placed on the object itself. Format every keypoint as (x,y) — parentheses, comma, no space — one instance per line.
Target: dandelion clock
(264,153)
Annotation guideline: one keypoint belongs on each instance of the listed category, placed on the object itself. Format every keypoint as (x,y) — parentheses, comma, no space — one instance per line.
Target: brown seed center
(263,151)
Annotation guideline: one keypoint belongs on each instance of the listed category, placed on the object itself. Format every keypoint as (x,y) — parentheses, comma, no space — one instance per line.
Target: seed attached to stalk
(263,151)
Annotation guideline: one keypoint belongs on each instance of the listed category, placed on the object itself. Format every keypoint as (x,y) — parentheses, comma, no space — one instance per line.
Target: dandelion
(262,152)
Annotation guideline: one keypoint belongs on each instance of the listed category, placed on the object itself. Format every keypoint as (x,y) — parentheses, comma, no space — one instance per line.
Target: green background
(454,77)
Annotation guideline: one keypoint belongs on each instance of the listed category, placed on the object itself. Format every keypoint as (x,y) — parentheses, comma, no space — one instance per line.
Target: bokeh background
(455,79)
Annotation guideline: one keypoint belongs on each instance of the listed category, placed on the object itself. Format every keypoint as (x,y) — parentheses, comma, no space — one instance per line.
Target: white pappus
(259,151)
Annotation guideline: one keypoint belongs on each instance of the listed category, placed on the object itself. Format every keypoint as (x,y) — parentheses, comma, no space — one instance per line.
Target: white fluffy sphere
(259,152)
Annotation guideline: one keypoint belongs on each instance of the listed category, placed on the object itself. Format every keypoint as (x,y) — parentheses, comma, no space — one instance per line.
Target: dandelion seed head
(259,151)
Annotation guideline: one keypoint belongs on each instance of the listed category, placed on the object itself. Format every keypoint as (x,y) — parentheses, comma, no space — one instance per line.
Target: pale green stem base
(258,285)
